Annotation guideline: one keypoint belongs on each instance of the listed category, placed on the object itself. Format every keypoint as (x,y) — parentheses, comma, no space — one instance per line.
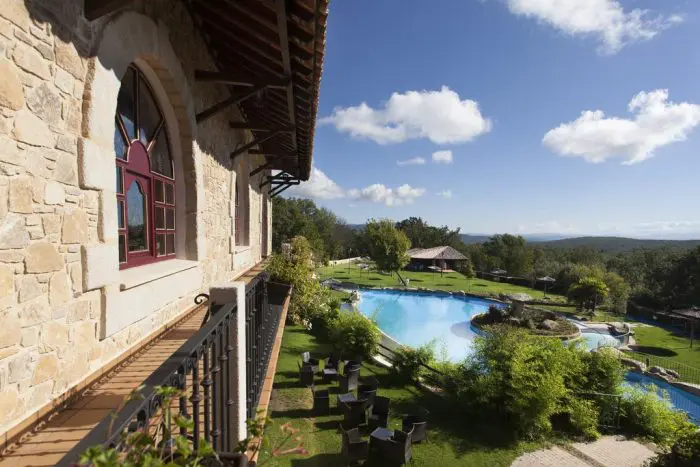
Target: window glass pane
(122,249)
(125,103)
(120,145)
(160,197)
(169,195)
(120,213)
(160,218)
(149,115)
(170,244)
(160,244)
(160,156)
(170,219)
(137,210)
(120,180)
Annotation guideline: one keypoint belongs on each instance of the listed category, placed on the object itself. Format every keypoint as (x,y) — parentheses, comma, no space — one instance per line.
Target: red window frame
(133,165)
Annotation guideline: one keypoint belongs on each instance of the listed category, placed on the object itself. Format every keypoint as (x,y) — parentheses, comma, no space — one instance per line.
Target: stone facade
(66,310)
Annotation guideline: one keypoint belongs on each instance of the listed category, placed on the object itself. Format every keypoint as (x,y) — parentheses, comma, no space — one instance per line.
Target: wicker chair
(306,375)
(379,415)
(322,401)
(419,425)
(398,450)
(348,381)
(354,448)
(307,360)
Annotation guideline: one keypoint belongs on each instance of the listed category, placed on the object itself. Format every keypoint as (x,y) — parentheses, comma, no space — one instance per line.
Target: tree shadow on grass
(375,278)
(657,351)
(444,284)
(319,459)
(479,285)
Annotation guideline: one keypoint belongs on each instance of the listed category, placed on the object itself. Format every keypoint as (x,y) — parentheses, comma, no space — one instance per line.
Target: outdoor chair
(420,428)
(322,401)
(379,415)
(355,412)
(397,450)
(306,375)
(370,381)
(366,392)
(348,381)
(354,448)
(330,369)
(307,360)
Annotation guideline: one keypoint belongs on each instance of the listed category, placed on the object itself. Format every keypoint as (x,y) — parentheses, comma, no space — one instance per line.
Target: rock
(64,81)
(548,324)
(32,130)
(10,329)
(30,60)
(15,12)
(13,232)
(42,257)
(513,321)
(66,169)
(30,336)
(10,152)
(11,91)
(68,59)
(54,193)
(51,223)
(21,195)
(657,370)
(29,289)
(53,335)
(673,373)
(20,367)
(9,403)
(41,394)
(45,103)
(7,282)
(34,312)
(46,368)
(59,289)
(75,227)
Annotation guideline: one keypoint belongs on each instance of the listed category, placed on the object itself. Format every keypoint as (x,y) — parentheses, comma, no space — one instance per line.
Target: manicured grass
(452,281)
(667,343)
(453,440)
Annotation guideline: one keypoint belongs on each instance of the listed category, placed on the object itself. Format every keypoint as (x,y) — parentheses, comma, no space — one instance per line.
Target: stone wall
(57,208)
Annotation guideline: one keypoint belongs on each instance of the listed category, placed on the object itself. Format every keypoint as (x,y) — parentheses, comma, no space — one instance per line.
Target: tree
(423,235)
(387,246)
(619,292)
(681,287)
(467,268)
(587,292)
(509,252)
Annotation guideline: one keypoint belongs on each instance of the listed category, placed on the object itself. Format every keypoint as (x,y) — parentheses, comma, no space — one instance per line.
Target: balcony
(221,358)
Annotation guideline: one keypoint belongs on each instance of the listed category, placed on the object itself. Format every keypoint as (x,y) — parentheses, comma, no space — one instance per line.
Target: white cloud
(447,194)
(442,157)
(380,193)
(412,161)
(440,116)
(319,186)
(596,138)
(606,19)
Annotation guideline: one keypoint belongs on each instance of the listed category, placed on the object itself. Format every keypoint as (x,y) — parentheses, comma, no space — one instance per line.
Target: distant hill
(533,238)
(472,239)
(620,244)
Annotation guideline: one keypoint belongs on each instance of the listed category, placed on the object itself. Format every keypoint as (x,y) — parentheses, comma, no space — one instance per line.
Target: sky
(522,116)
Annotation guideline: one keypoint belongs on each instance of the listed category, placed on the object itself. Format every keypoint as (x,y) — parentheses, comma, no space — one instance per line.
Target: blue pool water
(414,318)
(681,400)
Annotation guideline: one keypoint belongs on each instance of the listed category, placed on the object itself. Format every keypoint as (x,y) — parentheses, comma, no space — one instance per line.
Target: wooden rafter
(97,8)
(276,191)
(233,78)
(265,166)
(255,142)
(259,127)
(233,100)
(286,64)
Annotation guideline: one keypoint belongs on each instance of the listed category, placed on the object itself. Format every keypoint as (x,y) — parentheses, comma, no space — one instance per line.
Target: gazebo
(438,258)
(691,315)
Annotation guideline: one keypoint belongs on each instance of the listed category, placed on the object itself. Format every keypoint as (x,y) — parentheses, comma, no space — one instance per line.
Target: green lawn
(452,281)
(453,441)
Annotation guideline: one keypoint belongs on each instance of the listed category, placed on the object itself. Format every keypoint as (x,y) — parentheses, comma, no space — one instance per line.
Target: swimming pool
(416,318)
(681,400)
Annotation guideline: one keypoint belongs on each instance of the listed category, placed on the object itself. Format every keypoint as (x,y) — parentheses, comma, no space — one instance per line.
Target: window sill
(134,277)
(242,248)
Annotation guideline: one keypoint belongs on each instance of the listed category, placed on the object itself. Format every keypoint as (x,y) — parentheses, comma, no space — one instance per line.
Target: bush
(684,453)
(310,300)
(646,414)
(583,417)
(354,335)
(604,371)
(409,362)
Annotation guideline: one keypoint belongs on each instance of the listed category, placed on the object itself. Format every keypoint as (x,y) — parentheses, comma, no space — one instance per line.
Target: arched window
(145,178)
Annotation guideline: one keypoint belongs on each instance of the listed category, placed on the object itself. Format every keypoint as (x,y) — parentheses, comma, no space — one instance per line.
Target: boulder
(548,324)
(639,367)
(657,370)
(513,321)
(673,373)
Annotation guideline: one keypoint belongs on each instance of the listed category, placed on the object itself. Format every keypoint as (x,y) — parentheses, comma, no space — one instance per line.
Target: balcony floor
(47,445)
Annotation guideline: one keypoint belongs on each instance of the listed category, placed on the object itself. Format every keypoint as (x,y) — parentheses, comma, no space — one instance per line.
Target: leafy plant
(353,334)
(588,292)
(684,453)
(583,416)
(409,362)
(387,246)
(649,414)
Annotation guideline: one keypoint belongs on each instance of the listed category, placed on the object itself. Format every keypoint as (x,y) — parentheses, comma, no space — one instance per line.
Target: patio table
(345,398)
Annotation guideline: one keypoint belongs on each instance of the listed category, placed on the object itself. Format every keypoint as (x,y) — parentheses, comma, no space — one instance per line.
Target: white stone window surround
(133,294)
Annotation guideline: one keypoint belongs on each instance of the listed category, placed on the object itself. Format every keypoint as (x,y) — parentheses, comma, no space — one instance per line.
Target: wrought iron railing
(202,369)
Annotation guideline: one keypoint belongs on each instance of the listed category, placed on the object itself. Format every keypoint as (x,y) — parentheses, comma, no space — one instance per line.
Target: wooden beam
(287,64)
(94,9)
(255,142)
(277,178)
(277,191)
(265,166)
(262,152)
(233,100)
(234,79)
(259,127)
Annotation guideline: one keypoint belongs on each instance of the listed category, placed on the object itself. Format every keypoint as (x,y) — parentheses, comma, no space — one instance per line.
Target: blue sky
(502,84)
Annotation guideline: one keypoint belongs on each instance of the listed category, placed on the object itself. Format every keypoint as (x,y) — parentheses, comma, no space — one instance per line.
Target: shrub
(409,362)
(353,334)
(646,414)
(583,417)
(684,453)
(604,371)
